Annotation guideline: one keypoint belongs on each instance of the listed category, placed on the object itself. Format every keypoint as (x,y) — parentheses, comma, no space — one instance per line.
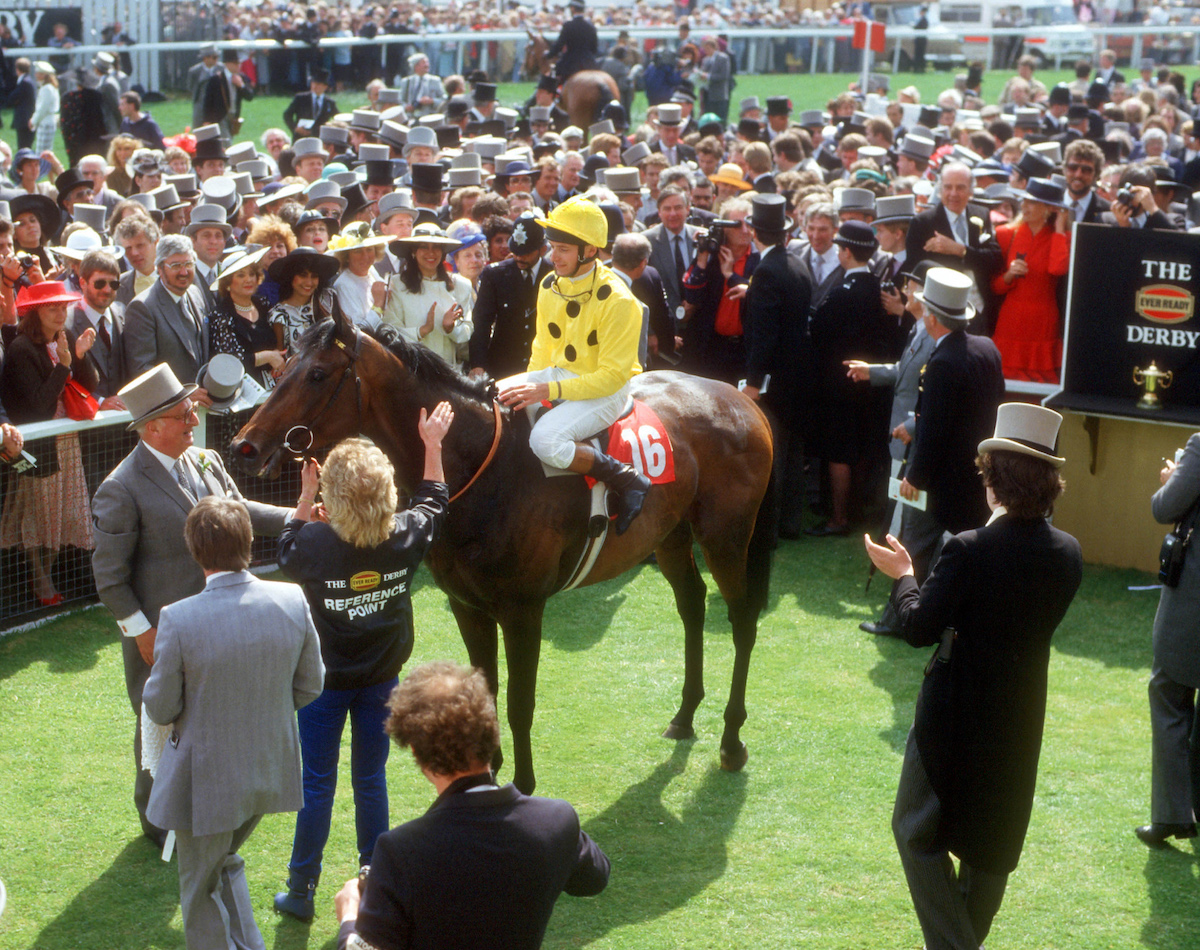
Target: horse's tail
(762,543)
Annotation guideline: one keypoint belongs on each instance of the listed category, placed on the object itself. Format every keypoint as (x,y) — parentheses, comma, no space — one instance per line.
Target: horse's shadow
(133,902)
(635,832)
(1174,901)
(577,620)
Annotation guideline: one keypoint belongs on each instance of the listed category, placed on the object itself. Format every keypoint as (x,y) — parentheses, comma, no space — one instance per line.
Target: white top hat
(1026,429)
(946,294)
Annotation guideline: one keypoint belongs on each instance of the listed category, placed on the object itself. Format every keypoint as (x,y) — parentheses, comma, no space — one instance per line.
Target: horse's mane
(429,369)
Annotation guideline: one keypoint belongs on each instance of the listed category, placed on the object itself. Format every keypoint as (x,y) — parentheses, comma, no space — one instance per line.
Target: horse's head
(535,55)
(316,403)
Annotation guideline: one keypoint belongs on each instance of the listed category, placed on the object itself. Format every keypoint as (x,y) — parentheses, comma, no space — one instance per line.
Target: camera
(1126,198)
(712,239)
(26,261)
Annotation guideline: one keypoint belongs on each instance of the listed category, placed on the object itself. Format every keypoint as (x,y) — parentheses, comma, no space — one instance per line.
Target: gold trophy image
(1153,379)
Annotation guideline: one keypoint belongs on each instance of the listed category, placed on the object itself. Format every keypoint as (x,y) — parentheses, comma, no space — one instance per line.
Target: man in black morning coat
(578,44)
(313,108)
(775,331)
(505,313)
(934,236)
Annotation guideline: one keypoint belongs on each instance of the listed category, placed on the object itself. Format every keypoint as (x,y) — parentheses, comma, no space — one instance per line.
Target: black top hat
(307,259)
(1034,165)
(588,172)
(448,136)
(548,83)
(1043,190)
(42,207)
(856,234)
(1097,92)
(1111,150)
(930,116)
(491,127)
(67,182)
(1060,95)
(750,129)
(208,149)
(356,200)
(616,221)
(779,105)
(427,176)
(769,213)
(379,172)
(1077,111)
(456,108)
(319,75)
(484,92)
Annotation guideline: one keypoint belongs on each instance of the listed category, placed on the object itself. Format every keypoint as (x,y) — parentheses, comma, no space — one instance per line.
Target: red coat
(1028,327)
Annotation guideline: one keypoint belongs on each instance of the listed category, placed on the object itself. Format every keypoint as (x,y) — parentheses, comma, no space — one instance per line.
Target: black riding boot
(623,479)
(297,901)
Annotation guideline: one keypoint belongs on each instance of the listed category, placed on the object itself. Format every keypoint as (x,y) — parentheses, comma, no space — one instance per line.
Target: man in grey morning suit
(232,664)
(140,562)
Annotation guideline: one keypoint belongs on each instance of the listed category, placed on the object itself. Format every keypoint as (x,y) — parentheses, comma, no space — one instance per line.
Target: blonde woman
(44,120)
(120,151)
(356,534)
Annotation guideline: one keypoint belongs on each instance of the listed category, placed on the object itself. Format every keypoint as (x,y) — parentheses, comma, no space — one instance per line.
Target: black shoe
(629,485)
(878,628)
(1156,834)
(297,901)
(826,530)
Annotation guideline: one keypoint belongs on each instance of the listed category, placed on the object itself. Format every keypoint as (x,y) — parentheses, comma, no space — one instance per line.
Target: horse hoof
(676,731)
(734,761)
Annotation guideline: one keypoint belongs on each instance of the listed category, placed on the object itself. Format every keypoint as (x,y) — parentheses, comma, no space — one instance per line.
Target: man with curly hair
(485,865)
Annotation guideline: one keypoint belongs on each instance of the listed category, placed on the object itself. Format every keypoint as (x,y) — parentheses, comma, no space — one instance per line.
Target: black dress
(230,332)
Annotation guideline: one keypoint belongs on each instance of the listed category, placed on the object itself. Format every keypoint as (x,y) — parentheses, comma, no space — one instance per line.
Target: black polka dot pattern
(548,281)
(604,292)
(554,330)
(593,340)
(572,309)
(569,353)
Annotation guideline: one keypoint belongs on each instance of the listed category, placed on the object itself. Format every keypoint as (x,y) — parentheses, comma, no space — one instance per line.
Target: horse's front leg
(478,631)
(522,648)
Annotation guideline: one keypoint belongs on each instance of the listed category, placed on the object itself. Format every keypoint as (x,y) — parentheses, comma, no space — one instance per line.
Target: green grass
(806,91)
(795,851)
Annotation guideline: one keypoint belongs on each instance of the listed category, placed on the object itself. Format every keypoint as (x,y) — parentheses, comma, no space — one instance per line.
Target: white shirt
(828,262)
(94,316)
(354,295)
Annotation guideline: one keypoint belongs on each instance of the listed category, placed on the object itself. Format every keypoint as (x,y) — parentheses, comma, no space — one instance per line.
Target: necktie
(316,106)
(817,269)
(679,266)
(184,482)
(103,332)
(960,231)
(1078,210)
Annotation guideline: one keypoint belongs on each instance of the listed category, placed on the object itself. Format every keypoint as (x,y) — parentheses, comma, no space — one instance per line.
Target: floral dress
(294,320)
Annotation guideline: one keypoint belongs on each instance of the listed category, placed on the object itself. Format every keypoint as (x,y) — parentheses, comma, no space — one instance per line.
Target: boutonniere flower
(978,222)
(205,463)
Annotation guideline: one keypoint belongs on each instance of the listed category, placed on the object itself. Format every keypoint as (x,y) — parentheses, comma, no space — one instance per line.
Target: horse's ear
(342,326)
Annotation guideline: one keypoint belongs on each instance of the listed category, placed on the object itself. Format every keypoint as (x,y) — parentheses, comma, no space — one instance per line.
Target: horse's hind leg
(479,634)
(678,565)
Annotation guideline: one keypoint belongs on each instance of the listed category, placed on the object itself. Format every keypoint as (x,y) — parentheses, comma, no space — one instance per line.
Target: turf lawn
(795,851)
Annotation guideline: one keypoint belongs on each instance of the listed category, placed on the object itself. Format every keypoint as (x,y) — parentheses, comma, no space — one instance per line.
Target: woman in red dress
(1037,248)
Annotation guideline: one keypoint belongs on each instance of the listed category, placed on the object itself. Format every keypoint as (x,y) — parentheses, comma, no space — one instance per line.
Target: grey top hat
(604,127)
(207,216)
(947,295)
(894,209)
(221,190)
(1026,429)
(344,179)
(373,153)
(244,183)
(303,148)
(917,147)
(94,216)
(397,202)
(635,153)
(241,152)
(153,393)
(508,116)
(166,198)
(206,132)
(365,120)
(572,132)
(1050,150)
(1028,118)
(670,114)
(539,113)
(421,136)
(749,104)
(434,118)
(875,153)
(222,378)
(324,192)
(185,184)
(334,135)
(488,149)
(466,160)
(810,118)
(146,200)
(390,97)
(464,177)
(208,49)
(855,199)
(623,181)
(393,133)
(256,168)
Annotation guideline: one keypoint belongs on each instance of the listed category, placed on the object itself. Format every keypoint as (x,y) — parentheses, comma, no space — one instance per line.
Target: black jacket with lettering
(360,597)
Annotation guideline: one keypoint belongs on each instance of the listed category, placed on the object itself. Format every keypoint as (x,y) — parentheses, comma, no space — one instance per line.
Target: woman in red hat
(48,510)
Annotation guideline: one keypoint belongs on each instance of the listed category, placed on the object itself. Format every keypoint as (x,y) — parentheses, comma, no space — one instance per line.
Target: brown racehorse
(583,95)
(514,536)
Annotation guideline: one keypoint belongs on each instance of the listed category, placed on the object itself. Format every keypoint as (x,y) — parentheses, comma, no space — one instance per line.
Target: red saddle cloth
(640,439)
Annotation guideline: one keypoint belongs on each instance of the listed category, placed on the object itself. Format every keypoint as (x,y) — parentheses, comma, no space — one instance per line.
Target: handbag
(80,404)
(1175,547)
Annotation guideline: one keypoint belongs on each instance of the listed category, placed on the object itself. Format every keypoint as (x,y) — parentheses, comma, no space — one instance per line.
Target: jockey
(585,352)
(578,43)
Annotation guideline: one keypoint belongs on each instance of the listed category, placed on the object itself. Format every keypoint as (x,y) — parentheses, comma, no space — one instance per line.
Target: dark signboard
(1132,303)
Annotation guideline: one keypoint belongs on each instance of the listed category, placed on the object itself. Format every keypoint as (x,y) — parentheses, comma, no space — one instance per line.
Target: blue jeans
(321,723)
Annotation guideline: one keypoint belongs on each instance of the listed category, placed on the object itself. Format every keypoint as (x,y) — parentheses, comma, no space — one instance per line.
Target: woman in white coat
(44,120)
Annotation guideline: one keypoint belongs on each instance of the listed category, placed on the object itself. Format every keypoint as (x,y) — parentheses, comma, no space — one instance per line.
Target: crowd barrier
(104,442)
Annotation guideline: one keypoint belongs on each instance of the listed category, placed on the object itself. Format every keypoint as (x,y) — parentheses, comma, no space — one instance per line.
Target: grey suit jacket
(662,259)
(232,664)
(157,330)
(141,562)
(1177,623)
(802,251)
(904,376)
(108,361)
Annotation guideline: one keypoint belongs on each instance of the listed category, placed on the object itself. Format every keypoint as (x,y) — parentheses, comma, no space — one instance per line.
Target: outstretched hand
(433,427)
(892,561)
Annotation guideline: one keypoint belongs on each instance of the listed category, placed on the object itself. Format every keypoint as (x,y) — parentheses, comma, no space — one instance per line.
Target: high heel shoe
(50,601)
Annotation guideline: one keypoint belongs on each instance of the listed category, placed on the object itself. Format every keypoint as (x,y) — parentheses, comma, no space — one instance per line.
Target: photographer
(1175,674)
(716,285)
(1134,206)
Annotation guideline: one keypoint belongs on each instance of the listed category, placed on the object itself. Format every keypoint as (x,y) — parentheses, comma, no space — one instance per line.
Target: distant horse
(513,537)
(583,95)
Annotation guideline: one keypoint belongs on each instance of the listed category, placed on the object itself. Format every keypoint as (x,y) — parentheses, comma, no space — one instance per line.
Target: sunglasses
(1077,167)
(110,284)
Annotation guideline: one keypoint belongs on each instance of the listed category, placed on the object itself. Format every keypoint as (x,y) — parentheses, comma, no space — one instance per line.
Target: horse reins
(351,370)
(491,452)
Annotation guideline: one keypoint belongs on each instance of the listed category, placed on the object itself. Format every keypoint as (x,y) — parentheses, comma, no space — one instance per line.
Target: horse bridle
(351,370)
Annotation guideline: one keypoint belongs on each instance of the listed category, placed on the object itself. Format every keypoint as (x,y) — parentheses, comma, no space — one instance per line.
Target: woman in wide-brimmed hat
(25,172)
(47,509)
(239,323)
(1037,248)
(425,301)
(35,221)
(306,296)
(360,290)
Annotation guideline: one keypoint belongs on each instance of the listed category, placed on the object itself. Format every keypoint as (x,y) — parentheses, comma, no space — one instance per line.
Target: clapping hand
(893,560)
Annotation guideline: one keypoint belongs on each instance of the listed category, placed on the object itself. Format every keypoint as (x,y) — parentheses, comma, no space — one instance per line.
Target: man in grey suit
(140,561)
(197,82)
(818,253)
(99,275)
(165,324)
(232,664)
(672,244)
